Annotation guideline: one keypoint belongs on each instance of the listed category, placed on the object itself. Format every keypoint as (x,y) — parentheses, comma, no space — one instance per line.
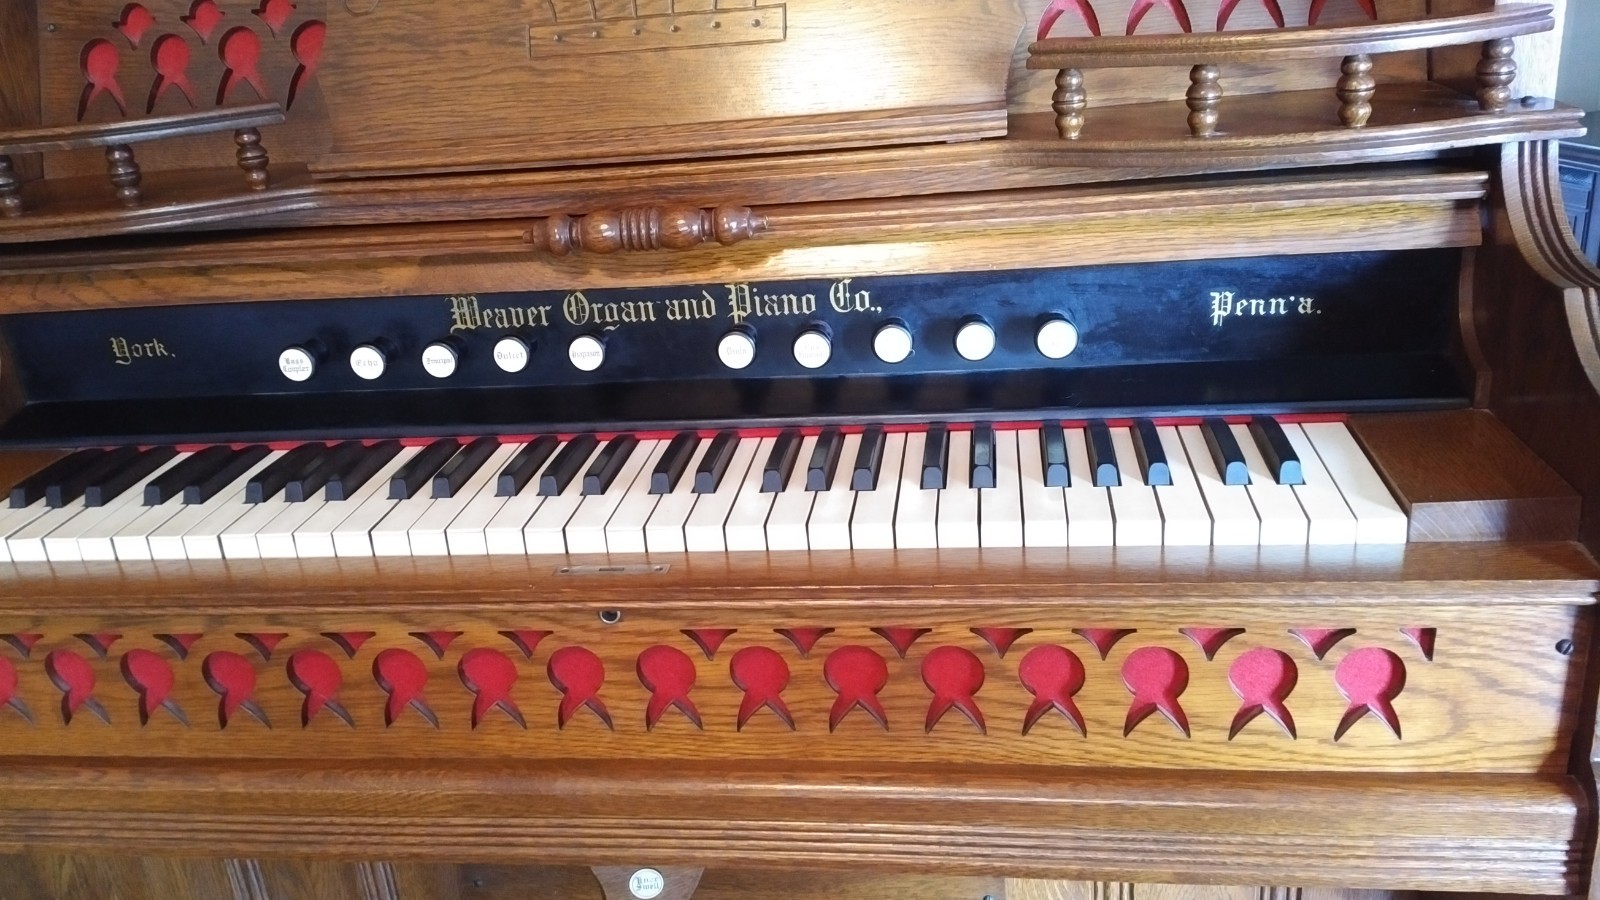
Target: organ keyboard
(903,447)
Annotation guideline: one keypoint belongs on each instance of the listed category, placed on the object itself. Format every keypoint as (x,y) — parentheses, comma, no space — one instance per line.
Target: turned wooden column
(1205,94)
(1069,101)
(1496,71)
(252,157)
(1356,87)
(124,173)
(10,189)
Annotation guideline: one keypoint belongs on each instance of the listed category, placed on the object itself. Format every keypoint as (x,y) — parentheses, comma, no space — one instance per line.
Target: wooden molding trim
(1265,45)
(133,131)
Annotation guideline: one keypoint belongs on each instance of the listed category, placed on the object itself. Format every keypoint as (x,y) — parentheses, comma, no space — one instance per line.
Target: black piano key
(869,459)
(1053,447)
(935,458)
(524,465)
(343,479)
(317,471)
(114,484)
(69,489)
(674,460)
(607,464)
(269,481)
(1225,451)
(32,489)
(1152,456)
(1102,455)
(780,462)
(565,467)
(982,456)
(196,468)
(203,489)
(715,463)
(824,460)
(1282,461)
(419,469)
(467,461)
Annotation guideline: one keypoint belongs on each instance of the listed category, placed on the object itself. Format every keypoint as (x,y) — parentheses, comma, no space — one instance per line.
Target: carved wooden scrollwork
(645,228)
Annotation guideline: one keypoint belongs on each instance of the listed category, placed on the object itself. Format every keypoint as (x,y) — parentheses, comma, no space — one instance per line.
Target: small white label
(736,350)
(511,354)
(586,353)
(647,884)
(892,343)
(1057,339)
(367,361)
(439,360)
(812,349)
(975,341)
(296,364)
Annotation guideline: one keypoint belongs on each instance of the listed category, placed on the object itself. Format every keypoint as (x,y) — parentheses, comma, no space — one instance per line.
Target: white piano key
(93,534)
(1283,522)
(1330,518)
(13,519)
(1379,519)
(1133,503)
(586,532)
(131,541)
(275,539)
(314,539)
(26,544)
(791,508)
(958,502)
(390,536)
(464,536)
(427,536)
(706,525)
(872,523)
(169,540)
(503,534)
(916,515)
(1185,522)
(1089,519)
(829,525)
(252,535)
(546,531)
(1000,507)
(353,536)
(1044,508)
(1233,516)
(624,531)
(664,530)
(747,521)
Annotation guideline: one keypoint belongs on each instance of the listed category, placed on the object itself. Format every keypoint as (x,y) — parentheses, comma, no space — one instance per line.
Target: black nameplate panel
(1334,331)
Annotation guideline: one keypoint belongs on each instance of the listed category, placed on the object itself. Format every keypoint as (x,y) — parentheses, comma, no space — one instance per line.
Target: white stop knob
(439,359)
(736,349)
(975,340)
(1057,338)
(647,884)
(813,349)
(586,352)
(368,361)
(511,354)
(892,343)
(297,364)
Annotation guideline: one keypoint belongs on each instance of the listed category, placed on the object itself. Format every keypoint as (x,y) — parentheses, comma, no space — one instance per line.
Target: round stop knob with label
(511,354)
(298,363)
(587,352)
(892,342)
(440,358)
(369,360)
(975,339)
(814,347)
(737,348)
(1056,338)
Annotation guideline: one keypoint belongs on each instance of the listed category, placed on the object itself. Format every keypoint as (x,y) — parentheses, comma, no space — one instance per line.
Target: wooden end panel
(1463,476)
(19,81)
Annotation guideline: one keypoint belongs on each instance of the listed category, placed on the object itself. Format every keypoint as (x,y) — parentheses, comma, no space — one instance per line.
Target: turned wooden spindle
(252,158)
(1496,71)
(10,189)
(1069,101)
(124,173)
(645,228)
(1205,94)
(1356,87)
